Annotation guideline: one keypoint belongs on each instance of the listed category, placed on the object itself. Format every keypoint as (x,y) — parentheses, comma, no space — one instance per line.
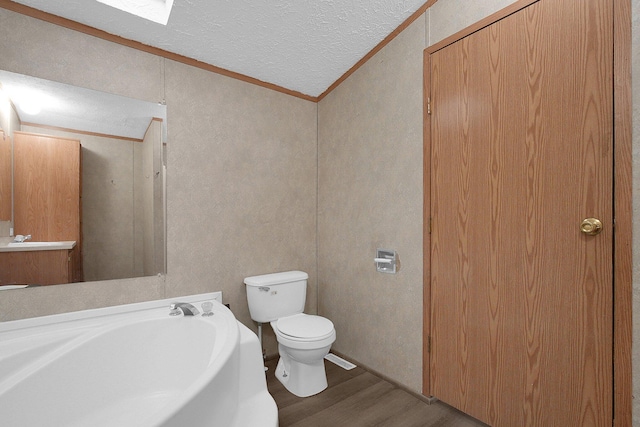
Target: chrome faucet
(184,307)
(21,239)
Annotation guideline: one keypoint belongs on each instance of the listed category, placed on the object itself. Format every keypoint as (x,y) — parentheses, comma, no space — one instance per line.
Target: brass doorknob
(591,226)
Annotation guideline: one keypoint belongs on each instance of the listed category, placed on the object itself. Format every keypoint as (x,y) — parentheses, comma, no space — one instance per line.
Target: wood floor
(357,398)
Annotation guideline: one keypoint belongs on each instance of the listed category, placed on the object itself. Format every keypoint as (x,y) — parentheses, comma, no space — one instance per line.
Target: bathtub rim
(32,322)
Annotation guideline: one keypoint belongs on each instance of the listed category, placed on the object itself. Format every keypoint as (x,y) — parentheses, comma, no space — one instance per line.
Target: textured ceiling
(304,46)
(69,107)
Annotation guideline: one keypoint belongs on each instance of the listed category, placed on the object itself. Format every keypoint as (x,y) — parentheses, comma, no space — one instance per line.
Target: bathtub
(134,365)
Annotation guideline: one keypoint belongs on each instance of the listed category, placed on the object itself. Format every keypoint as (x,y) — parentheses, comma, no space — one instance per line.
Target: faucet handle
(175,311)
(207,308)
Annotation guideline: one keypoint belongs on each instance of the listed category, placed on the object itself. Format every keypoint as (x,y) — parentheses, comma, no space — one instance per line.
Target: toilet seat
(305,327)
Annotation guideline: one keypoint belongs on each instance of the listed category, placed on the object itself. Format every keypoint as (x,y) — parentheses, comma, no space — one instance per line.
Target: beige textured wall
(242,169)
(5,228)
(446,17)
(9,121)
(144,203)
(241,186)
(370,196)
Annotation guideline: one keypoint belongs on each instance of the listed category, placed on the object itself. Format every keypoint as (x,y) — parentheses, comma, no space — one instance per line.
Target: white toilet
(303,339)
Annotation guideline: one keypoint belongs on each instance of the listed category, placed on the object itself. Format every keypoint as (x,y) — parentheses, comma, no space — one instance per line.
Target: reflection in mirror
(5,180)
(119,229)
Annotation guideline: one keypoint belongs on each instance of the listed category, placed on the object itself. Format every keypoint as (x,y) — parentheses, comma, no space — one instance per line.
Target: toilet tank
(272,296)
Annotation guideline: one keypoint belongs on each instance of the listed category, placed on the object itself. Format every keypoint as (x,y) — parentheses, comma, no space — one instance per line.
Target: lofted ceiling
(299,45)
(65,107)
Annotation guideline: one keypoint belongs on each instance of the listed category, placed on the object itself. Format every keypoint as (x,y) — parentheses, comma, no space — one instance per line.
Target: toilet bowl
(303,339)
(303,342)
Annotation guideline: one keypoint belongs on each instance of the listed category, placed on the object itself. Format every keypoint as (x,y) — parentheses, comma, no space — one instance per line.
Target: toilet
(303,339)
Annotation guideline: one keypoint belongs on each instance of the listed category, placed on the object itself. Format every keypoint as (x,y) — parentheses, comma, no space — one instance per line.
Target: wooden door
(5,177)
(47,187)
(521,152)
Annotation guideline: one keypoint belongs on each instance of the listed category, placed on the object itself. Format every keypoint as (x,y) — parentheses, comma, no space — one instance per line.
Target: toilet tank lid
(276,278)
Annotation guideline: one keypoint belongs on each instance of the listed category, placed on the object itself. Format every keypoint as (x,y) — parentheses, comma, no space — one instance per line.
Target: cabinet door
(34,267)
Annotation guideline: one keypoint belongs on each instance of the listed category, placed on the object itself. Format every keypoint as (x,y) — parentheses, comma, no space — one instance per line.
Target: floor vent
(340,361)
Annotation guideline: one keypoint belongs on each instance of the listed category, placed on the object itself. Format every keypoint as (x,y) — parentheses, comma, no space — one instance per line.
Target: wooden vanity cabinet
(49,267)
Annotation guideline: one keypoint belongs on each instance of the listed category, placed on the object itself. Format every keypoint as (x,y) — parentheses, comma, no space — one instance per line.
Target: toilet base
(301,379)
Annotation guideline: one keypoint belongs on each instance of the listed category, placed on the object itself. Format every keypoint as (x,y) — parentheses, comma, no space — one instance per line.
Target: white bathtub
(133,365)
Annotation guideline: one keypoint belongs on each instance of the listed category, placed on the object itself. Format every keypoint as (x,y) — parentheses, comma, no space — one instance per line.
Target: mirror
(123,170)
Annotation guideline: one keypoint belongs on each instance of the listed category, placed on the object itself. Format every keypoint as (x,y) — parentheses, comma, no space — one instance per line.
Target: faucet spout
(184,307)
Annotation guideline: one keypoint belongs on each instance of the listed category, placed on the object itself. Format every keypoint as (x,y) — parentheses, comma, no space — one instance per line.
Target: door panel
(5,177)
(47,187)
(521,146)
